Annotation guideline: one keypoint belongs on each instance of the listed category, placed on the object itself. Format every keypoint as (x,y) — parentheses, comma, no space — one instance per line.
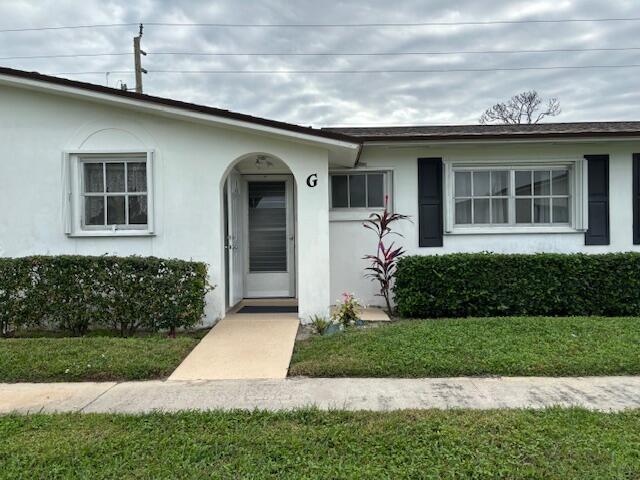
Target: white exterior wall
(350,241)
(191,161)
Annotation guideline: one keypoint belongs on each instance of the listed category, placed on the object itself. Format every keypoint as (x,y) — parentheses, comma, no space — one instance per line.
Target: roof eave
(512,138)
(176,108)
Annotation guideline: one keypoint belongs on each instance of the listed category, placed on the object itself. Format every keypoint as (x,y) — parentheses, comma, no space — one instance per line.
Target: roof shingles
(460,132)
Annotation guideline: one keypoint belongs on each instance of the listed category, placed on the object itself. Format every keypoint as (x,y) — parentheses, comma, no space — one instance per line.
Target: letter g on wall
(312,180)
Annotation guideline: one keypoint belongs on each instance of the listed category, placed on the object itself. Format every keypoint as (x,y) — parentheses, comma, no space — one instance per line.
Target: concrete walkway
(596,393)
(242,346)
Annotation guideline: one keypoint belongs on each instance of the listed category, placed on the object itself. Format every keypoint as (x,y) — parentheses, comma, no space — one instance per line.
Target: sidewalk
(596,393)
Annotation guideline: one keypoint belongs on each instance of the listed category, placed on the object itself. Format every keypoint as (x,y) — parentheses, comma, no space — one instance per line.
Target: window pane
(560,210)
(267,227)
(115,211)
(500,183)
(463,184)
(480,184)
(541,183)
(523,182)
(357,191)
(137,177)
(339,196)
(560,182)
(94,210)
(499,210)
(463,212)
(541,210)
(115,177)
(138,210)
(93,178)
(375,190)
(523,210)
(481,210)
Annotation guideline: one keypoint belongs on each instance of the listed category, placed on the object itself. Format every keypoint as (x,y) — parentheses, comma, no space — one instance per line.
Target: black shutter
(636,198)
(598,171)
(430,202)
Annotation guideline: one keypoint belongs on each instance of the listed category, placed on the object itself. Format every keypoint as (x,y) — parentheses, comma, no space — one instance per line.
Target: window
(113,193)
(495,198)
(358,190)
(542,196)
(482,197)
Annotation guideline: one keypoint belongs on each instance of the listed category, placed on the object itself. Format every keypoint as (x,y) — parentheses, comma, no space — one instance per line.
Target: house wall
(190,163)
(350,241)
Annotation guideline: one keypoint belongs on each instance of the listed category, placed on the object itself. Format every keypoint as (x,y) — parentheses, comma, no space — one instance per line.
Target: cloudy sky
(361,99)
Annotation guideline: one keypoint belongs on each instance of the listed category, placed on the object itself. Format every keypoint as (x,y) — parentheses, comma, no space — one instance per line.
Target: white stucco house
(276,209)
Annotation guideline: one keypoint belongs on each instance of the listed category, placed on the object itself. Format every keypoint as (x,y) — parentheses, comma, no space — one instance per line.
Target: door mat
(269,309)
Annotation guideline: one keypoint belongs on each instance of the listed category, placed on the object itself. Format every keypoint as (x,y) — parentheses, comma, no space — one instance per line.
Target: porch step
(242,346)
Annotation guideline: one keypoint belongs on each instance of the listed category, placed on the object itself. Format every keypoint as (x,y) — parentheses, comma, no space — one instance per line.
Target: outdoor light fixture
(263,161)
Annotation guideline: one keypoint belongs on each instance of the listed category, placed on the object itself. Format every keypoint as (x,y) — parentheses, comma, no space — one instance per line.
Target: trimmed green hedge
(76,293)
(486,284)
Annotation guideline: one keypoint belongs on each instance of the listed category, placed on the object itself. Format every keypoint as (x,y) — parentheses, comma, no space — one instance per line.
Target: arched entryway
(259,229)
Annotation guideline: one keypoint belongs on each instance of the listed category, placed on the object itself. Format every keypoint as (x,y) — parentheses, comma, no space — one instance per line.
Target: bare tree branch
(520,108)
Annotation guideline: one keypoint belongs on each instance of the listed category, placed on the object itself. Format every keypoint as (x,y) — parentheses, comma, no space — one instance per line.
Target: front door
(235,247)
(270,249)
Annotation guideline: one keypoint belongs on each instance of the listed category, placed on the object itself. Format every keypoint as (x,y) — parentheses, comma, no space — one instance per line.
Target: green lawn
(50,358)
(556,443)
(573,346)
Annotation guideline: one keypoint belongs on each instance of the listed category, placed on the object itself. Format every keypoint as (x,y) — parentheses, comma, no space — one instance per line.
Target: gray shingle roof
(372,134)
(461,132)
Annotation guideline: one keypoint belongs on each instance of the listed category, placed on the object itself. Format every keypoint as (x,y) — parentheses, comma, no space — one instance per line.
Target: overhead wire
(325,25)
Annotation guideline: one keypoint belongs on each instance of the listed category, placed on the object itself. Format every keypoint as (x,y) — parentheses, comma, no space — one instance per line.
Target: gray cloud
(335,99)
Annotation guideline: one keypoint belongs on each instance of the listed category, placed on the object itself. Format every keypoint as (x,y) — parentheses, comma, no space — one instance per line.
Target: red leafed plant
(384,262)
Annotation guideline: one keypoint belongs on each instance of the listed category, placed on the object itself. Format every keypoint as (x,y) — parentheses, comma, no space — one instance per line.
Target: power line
(434,70)
(325,54)
(398,24)
(67,27)
(313,72)
(70,55)
(98,72)
(325,25)
(375,54)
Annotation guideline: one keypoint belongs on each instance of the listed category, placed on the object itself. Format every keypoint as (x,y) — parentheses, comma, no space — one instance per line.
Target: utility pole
(137,60)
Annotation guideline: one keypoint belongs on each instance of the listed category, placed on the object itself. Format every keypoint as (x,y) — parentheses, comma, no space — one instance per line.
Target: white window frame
(73,162)
(577,196)
(361,213)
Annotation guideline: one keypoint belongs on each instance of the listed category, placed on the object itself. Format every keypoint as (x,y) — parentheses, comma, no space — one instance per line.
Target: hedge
(486,284)
(76,293)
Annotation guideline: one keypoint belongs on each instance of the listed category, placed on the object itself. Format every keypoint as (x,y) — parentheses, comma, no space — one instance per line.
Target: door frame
(291,233)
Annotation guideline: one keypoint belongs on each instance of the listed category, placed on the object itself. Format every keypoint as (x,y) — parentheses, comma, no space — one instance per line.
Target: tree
(521,108)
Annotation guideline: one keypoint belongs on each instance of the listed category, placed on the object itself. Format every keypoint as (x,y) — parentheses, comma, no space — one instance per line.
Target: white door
(234,240)
(270,234)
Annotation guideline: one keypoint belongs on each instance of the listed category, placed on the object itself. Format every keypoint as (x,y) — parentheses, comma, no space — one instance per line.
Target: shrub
(15,281)
(485,284)
(347,310)
(320,324)
(78,292)
(384,263)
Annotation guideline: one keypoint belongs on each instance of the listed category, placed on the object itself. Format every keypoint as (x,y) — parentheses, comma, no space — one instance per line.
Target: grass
(528,346)
(514,444)
(47,357)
